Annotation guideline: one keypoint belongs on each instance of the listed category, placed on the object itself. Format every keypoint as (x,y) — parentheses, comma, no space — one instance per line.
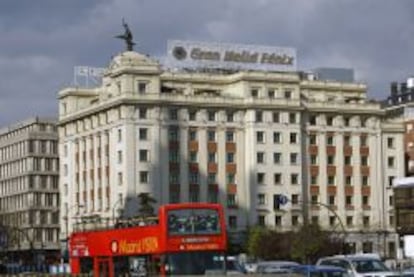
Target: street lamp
(67,225)
(283,199)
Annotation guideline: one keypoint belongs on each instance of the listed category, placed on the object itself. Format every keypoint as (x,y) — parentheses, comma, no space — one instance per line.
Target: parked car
(359,265)
(319,271)
(275,267)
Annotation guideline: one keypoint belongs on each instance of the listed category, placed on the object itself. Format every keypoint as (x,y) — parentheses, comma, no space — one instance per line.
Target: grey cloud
(41,41)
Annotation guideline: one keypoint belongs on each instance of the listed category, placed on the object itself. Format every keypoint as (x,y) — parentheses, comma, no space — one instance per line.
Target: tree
(311,242)
(306,245)
(146,202)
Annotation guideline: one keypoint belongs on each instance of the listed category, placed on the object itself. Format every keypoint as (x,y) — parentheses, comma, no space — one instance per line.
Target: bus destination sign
(196,55)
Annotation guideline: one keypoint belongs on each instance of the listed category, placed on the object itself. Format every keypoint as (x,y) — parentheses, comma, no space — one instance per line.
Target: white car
(359,265)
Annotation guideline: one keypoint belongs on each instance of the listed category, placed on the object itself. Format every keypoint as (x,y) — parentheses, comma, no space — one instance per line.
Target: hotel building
(238,137)
(29,192)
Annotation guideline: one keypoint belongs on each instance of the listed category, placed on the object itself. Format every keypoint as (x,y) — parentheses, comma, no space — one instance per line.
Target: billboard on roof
(199,55)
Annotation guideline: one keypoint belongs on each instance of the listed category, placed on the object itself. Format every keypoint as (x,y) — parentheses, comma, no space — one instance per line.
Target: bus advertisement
(184,239)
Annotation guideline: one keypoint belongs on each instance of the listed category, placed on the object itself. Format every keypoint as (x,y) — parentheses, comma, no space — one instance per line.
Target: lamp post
(67,227)
(283,199)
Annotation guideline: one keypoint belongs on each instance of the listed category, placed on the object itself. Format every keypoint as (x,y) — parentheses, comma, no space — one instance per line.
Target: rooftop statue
(127,37)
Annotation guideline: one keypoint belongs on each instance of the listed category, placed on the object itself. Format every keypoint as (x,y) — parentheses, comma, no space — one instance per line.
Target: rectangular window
(193,177)
(363,140)
(271,93)
(211,135)
(260,137)
(212,178)
(295,220)
(348,180)
(230,157)
(193,156)
(192,115)
(312,139)
(230,116)
(261,199)
(254,92)
(348,200)
(277,137)
(391,162)
(229,136)
(347,160)
(277,158)
(143,155)
(142,113)
(212,157)
(390,143)
(261,220)
(390,180)
(293,158)
(119,157)
(142,87)
(329,140)
(292,118)
(143,177)
(173,114)
(192,135)
(347,140)
(277,178)
(329,120)
(312,120)
(211,115)
(288,94)
(365,180)
(278,220)
(260,157)
(331,180)
(365,200)
(260,178)
(293,138)
(313,159)
(276,117)
(143,133)
(173,134)
(259,116)
(294,179)
(231,200)
(230,178)
(349,221)
(232,222)
(120,179)
(331,159)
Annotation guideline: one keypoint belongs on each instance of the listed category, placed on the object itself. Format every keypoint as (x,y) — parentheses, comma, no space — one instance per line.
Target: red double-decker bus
(185,239)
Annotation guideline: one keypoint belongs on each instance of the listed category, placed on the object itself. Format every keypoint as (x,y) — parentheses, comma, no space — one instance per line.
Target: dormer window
(142,87)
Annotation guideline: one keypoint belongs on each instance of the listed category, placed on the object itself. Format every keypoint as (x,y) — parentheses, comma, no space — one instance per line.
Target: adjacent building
(29,192)
(400,104)
(238,136)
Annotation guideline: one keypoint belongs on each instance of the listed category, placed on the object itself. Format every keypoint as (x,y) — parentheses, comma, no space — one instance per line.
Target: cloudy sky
(41,41)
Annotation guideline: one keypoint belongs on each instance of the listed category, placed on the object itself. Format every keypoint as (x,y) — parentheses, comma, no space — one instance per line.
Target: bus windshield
(195,263)
(193,221)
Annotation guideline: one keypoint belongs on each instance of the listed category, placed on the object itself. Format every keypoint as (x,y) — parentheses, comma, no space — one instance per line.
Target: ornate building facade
(241,138)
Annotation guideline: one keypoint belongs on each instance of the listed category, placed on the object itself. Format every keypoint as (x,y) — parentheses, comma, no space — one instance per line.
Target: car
(359,265)
(319,271)
(269,267)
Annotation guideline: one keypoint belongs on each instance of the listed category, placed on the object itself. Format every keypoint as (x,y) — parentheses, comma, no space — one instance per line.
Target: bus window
(193,221)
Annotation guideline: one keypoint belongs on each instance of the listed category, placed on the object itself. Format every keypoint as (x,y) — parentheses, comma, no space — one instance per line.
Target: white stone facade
(237,138)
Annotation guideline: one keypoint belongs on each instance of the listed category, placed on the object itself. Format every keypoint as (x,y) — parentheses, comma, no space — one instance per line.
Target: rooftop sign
(195,55)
